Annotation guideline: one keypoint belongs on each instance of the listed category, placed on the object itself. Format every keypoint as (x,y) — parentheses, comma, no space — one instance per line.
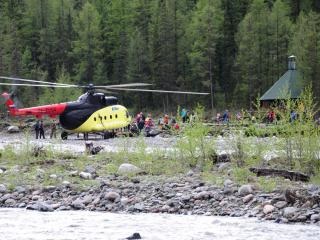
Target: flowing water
(19,224)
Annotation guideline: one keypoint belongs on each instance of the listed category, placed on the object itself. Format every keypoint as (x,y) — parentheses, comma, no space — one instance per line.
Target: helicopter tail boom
(52,110)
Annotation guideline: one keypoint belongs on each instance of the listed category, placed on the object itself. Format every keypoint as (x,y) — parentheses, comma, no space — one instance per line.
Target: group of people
(143,122)
(147,124)
(40,132)
(225,117)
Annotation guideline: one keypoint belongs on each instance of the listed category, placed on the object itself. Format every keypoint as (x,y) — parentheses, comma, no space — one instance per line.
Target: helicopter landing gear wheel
(107,135)
(64,135)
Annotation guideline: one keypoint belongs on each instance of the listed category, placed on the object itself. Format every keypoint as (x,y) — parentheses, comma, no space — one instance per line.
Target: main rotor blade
(36,81)
(157,91)
(125,85)
(35,85)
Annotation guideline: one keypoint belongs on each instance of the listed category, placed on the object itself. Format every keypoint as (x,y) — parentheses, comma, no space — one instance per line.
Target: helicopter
(92,112)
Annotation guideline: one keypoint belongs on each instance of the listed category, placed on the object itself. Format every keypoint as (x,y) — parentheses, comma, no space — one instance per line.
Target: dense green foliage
(234,49)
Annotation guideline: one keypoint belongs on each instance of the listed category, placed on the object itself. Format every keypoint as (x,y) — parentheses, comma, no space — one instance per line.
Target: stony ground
(186,194)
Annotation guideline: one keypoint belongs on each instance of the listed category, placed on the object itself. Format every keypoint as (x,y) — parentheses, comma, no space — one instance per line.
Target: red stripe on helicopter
(52,110)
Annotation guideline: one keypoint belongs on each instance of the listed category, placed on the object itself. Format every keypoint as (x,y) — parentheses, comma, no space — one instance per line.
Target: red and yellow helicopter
(92,112)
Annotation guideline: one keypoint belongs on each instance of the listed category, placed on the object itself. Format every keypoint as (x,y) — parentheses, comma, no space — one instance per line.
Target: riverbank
(59,175)
(185,194)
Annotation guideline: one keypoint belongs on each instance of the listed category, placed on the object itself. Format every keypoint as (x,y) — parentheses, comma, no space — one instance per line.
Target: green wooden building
(289,85)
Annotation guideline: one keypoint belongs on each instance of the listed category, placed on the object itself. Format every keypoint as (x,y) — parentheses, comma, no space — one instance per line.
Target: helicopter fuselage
(92,112)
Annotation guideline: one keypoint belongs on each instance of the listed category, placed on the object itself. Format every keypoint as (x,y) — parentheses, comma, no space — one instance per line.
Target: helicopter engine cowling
(110,100)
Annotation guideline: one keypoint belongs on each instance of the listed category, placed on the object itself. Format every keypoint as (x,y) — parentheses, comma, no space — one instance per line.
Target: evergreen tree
(306,46)
(205,26)
(233,11)
(281,33)
(87,46)
(252,60)
(64,33)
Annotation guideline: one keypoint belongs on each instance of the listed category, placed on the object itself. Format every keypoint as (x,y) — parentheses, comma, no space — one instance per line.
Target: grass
(193,150)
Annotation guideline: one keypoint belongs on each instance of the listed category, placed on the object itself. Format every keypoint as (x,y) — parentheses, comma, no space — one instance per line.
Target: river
(20,224)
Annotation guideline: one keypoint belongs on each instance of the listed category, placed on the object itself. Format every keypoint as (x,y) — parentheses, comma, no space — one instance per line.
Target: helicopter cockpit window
(82,98)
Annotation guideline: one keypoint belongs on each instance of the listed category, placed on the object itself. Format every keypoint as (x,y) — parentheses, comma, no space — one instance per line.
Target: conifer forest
(233,49)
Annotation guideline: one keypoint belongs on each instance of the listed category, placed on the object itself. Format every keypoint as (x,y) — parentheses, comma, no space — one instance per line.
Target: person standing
(41,130)
(37,128)
(53,132)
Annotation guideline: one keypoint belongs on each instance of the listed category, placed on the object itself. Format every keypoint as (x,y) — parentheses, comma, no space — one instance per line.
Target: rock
(90,169)
(49,188)
(112,196)
(66,183)
(124,201)
(5,197)
(53,176)
(13,129)
(289,212)
(245,190)
(44,207)
(10,202)
(280,204)
(190,173)
(20,189)
(77,204)
(85,175)
(128,169)
(22,205)
(248,198)
(32,207)
(134,236)
(315,217)
(139,207)
(202,195)
(73,173)
(227,183)
(3,188)
(268,209)
(87,199)
(1,171)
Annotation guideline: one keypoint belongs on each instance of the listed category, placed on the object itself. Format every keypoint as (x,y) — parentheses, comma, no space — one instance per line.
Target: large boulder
(13,129)
(128,169)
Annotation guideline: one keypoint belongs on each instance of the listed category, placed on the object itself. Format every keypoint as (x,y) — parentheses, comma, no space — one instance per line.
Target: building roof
(288,86)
